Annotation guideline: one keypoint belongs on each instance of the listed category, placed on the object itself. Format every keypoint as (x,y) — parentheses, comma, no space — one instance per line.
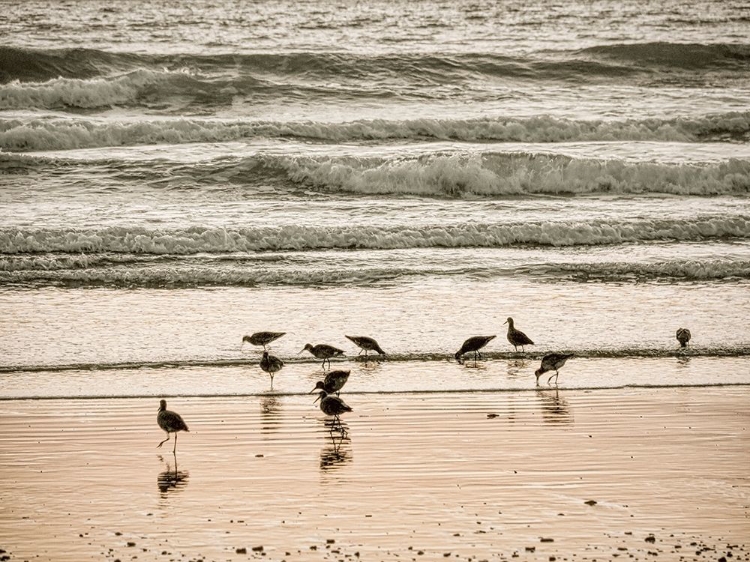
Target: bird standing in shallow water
(552,362)
(474,344)
(683,336)
(271,365)
(517,337)
(323,351)
(171,422)
(366,344)
(334,382)
(262,338)
(332,405)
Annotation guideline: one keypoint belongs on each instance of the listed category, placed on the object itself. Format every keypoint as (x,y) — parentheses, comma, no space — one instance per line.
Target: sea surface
(176,175)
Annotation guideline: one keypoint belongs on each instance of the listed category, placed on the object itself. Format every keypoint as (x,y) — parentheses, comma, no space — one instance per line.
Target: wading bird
(271,365)
(366,344)
(473,344)
(171,422)
(323,351)
(517,337)
(334,382)
(332,405)
(262,338)
(683,336)
(552,362)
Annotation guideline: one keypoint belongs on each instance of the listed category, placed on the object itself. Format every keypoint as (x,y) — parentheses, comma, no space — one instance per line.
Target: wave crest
(63,134)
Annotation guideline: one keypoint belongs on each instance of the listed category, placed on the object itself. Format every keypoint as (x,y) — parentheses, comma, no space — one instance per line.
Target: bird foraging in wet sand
(332,405)
(366,344)
(271,365)
(683,336)
(334,382)
(473,344)
(552,362)
(262,338)
(323,351)
(517,337)
(171,422)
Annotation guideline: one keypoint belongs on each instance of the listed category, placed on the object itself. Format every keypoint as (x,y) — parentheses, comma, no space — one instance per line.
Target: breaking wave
(442,174)
(195,240)
(57,134)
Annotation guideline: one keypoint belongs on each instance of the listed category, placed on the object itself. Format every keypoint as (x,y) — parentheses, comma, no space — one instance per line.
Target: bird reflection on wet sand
(171,480)
(555,408)
(515,366)
(337,451)
(270,413)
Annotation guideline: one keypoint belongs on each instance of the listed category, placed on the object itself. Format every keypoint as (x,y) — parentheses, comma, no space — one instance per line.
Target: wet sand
(655,474)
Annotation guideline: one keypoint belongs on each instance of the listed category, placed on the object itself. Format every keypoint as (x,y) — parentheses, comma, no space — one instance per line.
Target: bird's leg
(174,451)
(271,381)
(167,439)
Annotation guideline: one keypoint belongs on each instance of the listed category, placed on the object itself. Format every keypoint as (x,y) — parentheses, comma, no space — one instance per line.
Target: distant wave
(30,65)
(498,174)
(443,174)
(57,134)
(130,272)
(693,56)
(624,353)
(194,240)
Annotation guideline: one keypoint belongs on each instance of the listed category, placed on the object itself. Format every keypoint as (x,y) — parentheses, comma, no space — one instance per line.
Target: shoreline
(478,476)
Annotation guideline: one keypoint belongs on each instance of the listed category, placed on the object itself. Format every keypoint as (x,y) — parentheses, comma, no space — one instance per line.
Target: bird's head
(509,321)
(538,374)
(322,394)
(458,357)
(306,348)
(162,405)
(318,385)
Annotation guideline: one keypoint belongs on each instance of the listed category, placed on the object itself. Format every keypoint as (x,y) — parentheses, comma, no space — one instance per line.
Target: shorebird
(271,365)
(683,336)
(552,362)
(366,344)
(517,337)
(332,405)
(474,344)
(171,422)
(262,338)
(323,351)
(334,382)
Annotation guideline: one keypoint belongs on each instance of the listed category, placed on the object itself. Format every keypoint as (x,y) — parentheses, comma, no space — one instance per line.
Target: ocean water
(174,176)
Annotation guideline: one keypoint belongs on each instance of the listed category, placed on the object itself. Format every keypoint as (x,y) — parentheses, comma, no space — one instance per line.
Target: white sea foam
(63,134)
(516,174)
(195,240)
(78,93)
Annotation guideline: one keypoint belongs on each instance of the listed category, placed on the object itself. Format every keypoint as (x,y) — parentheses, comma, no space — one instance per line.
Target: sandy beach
(538,475)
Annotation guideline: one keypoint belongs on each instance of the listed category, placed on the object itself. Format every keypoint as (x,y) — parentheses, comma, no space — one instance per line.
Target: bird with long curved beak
(517,337)
(332,405)
(171,422)
(333,382)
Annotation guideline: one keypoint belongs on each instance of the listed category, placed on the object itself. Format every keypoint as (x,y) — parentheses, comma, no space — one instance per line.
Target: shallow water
(484,475)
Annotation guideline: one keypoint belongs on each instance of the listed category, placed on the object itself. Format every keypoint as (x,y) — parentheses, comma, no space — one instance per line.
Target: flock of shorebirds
(330,387)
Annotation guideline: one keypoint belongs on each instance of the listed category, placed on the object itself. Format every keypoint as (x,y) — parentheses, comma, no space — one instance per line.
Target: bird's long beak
(303,349)
(313,390)
(318,398)
(505,322)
